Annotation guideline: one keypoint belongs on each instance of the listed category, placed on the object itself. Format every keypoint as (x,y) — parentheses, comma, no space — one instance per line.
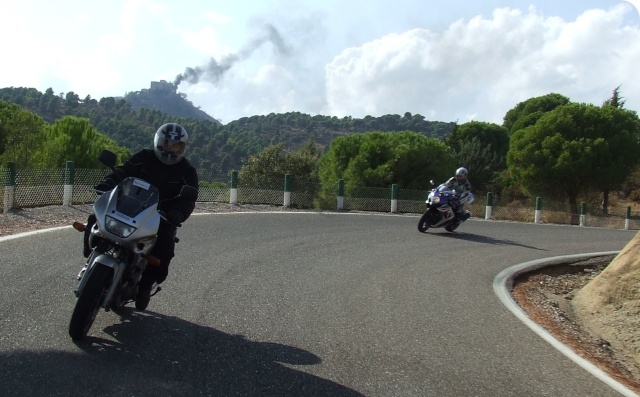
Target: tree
(108,103)
(616,100)
(21,134)
(482,147)
(621,129)
(379,159)
(72,100)
(526,113)
(574,149)
(268,168)
(484,164)
(75,139)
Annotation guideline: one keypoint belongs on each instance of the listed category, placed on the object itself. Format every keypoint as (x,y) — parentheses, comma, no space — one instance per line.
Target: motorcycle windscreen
(135,195)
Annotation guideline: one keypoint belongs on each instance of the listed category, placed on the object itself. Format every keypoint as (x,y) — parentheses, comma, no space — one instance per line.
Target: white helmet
(170,143)
(461,174)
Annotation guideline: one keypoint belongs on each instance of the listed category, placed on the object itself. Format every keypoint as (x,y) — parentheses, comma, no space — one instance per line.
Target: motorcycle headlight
(435,200)
(118,228)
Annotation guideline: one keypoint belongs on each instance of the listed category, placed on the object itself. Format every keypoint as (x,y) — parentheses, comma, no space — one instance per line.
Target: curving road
(297,304)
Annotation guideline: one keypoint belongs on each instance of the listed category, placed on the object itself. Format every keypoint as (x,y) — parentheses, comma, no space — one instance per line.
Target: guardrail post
(538,213)
(340,194)
(394,198)
(287,190)
(627,219)
(10,188)
(489,208)
(69,177)
(583,214)
(233,192)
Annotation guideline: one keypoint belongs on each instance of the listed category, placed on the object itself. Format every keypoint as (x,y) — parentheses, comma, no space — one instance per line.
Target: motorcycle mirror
(108,158)
(432,182)
(189,193)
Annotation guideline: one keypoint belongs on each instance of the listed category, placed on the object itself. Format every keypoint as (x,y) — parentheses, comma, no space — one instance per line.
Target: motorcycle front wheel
(88,303)
(426,220)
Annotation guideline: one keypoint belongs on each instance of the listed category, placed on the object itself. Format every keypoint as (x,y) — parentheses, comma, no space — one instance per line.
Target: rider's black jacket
(168,179)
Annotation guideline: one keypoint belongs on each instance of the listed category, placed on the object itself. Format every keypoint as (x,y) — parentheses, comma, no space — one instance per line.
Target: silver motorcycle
(125,231)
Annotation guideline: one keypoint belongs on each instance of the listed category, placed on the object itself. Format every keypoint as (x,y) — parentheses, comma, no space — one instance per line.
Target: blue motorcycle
(440,209)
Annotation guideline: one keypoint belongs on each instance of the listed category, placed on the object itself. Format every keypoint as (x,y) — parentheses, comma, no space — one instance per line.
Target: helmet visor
(175,148)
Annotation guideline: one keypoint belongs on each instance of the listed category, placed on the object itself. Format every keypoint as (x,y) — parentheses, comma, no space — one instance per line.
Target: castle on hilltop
(163,96)
(163,86)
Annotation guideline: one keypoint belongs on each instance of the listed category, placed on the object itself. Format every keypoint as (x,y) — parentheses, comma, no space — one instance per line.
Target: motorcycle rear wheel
(451,227)
(88,303)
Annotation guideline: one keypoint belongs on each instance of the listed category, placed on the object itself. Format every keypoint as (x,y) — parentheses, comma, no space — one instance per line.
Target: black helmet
(170,143)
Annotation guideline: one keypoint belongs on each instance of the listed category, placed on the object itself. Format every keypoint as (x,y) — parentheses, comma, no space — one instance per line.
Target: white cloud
(217,17)
(93,63)
(323,61)
(484,67)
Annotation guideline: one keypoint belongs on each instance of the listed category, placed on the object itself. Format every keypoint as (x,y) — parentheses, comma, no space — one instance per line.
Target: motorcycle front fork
(80,275)
(83,271)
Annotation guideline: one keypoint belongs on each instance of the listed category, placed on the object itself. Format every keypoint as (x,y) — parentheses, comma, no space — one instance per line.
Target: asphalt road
(296,304)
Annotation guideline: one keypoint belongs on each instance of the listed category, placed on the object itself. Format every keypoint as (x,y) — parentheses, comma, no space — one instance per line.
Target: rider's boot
(143,297)
(461,217)
(145,286)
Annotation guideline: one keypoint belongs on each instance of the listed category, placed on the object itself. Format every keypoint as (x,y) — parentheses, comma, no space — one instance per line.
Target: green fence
(69,186)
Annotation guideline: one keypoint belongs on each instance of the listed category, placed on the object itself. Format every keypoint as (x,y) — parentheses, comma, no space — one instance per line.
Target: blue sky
(453,60)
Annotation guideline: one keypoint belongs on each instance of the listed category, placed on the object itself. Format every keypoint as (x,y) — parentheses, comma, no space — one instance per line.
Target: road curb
(502,285)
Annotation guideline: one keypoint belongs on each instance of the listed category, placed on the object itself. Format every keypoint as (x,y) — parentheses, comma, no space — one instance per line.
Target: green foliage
(213,147)
(212,185)
(21,134)
(379,159)
(273,163)
(616,100)
(487,134)
(575,148)
(72,138)
(527,113)
(482,148)
(483,163)
(411,152)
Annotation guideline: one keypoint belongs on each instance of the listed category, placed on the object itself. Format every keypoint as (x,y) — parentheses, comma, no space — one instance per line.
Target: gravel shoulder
(544,294)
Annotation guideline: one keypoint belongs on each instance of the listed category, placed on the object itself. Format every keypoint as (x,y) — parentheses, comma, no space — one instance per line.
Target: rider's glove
(174,217)
(103,186)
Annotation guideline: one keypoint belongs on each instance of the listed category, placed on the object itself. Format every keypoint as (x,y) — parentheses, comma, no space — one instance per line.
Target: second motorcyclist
(462,187)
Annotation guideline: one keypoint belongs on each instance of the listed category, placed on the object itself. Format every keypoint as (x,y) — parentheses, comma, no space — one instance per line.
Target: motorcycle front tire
(426,220)
(88,303)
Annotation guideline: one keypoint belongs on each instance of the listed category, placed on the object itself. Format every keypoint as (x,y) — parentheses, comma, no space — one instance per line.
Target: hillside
(215,149)
(162,96)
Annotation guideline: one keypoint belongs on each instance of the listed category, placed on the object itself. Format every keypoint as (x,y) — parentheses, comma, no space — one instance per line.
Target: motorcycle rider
(166,167)
(461,185)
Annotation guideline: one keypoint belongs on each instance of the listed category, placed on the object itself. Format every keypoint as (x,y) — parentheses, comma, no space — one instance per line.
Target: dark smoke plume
(214,70)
